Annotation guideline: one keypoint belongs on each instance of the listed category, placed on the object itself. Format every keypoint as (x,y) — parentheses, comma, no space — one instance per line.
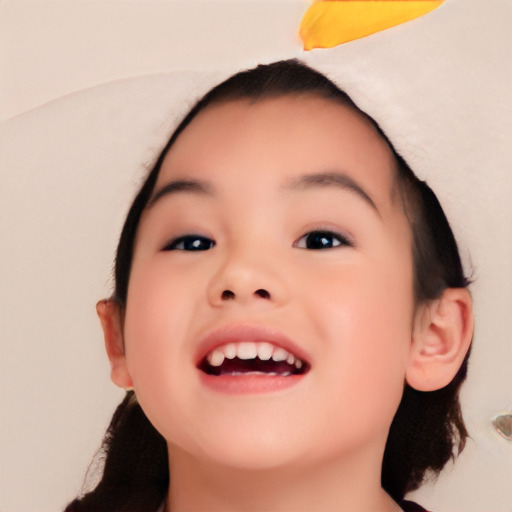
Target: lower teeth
(271,374)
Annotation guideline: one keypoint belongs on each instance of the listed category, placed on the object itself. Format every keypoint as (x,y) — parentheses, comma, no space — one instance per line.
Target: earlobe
(442,334)
(109,313)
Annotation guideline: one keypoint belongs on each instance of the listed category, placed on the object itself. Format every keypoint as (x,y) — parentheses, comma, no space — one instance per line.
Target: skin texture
(318,444)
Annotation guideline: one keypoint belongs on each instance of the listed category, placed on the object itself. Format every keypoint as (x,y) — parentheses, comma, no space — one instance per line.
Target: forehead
(275,139)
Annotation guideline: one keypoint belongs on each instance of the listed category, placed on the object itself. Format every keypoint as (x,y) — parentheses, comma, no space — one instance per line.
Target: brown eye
(190,243)
(316,240)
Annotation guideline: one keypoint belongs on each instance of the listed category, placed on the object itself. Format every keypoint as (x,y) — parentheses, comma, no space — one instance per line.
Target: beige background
(69,170)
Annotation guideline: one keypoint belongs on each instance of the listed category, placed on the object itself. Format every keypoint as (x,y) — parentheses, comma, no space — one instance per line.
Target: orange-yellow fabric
(329,23)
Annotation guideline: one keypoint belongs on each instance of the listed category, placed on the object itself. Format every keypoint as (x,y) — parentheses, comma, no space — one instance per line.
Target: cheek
(372,299)
(369,317)
(362,323)
(154,323)
(155,330)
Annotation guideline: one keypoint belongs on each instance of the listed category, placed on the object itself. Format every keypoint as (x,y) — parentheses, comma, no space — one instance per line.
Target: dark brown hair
(427,430)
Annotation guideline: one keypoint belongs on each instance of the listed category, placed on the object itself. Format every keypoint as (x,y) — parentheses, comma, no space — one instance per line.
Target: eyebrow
(177,186)
(307,181)
(332,179)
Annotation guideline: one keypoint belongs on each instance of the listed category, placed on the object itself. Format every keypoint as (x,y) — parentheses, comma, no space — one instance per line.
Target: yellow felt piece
(330,23)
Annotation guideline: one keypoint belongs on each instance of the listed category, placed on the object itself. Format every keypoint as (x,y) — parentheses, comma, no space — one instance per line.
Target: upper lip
(233,333)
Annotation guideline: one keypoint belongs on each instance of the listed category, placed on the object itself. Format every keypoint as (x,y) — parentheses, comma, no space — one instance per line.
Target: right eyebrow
(179,186)
(334,179)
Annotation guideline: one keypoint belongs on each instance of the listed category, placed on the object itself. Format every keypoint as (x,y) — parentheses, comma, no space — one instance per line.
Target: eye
(190,243)
(322,239)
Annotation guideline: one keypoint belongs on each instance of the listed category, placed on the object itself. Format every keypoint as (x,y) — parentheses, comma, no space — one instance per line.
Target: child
(290,319)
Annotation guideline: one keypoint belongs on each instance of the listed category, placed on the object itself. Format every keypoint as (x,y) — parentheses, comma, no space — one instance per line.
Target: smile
(242,358)
(246,358)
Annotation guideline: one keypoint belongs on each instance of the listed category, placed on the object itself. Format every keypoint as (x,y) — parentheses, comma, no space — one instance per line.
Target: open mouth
(252,358)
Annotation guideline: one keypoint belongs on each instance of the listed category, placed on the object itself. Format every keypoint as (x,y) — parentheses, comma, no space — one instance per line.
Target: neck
(329,486)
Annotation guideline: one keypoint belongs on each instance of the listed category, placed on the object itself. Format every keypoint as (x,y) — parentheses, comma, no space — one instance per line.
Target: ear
(442,334)
(109,313)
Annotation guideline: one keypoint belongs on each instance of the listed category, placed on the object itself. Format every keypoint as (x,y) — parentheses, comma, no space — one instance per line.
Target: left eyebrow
(332,179)
(181,186)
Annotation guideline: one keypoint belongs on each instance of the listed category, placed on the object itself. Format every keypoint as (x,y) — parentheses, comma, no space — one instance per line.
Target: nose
(244,278)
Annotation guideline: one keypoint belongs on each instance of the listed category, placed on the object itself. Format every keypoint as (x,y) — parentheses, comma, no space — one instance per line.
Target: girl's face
(272,226)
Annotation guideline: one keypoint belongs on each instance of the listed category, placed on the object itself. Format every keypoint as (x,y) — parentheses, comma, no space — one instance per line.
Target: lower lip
(248,384)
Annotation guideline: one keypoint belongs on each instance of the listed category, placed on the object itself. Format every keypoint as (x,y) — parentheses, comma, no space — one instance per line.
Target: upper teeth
(250,350)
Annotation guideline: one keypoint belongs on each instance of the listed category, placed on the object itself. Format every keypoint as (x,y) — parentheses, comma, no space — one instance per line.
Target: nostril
(262,293)
(227,295)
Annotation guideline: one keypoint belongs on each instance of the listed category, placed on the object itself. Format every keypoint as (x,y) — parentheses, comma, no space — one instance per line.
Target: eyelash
(322,238)
(190,243)
(326,238)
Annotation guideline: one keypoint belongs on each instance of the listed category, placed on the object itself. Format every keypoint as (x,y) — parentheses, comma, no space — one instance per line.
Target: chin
(243,450)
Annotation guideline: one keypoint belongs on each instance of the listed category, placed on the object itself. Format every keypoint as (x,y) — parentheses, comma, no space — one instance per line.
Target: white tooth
(216,357)
(229,350)
(298,364)
(280,354)
(246,350)
(290,359)
(264,351)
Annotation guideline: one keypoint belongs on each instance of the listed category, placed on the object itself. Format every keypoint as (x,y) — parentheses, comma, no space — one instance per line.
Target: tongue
(230,366)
